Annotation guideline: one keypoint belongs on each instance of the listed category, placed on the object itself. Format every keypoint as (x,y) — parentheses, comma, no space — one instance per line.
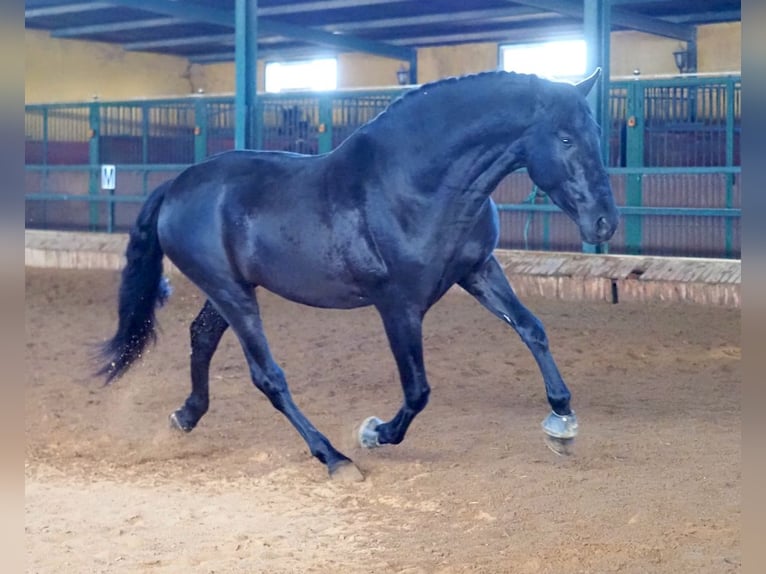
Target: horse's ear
(587,84)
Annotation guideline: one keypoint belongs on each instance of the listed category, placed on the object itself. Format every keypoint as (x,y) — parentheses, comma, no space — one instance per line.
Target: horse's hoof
(175,423)
(368,434)
(346,471)
(561,431)
(561,446)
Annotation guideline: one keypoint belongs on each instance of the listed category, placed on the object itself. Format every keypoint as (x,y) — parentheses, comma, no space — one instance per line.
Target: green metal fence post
(324,140)
(546,226)
(200,130)
(145,147)
(729,223)
(45,148)
(245,68)
(634,158)
(45,164)
(597,27)
(94,113)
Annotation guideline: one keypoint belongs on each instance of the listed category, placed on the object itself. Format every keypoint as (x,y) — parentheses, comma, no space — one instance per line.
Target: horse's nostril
(602,227)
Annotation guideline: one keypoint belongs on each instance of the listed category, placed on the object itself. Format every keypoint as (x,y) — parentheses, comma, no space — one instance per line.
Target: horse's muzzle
(604,229)
(600,230)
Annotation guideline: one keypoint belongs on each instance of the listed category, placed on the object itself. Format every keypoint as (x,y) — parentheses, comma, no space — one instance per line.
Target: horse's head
(563,158)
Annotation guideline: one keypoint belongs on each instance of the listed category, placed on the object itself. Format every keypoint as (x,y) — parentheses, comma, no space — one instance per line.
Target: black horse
(393,217)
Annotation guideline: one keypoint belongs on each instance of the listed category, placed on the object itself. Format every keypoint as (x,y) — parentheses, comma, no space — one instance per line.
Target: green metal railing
(687,126)
(673,156)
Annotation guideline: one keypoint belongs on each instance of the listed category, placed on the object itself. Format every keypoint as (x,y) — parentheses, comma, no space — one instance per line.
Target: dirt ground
(654,484)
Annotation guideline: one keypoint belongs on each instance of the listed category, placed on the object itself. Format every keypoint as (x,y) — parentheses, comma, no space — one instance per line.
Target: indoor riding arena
(124,95)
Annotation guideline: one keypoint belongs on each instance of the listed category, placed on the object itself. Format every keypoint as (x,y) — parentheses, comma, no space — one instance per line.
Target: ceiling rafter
(510,14)
(702,17)
(620,17)
(320,5)
(125,26)
(61,9)
(216,39)
(281,53)
(505,36)
(198,12)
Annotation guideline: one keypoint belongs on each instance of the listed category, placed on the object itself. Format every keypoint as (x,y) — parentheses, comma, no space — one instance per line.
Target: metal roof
(203,30)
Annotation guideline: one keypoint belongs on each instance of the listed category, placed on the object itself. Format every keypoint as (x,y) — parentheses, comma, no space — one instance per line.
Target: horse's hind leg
(404,331)
(238,305)
(205,333)
(490,287)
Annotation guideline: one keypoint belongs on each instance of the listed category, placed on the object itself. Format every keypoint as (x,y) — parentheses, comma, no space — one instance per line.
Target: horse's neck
(463,142)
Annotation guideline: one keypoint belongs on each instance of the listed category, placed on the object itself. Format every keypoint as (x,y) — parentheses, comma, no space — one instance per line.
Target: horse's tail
(142,288)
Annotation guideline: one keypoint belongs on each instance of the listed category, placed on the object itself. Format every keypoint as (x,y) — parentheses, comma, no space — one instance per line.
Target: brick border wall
(566,276)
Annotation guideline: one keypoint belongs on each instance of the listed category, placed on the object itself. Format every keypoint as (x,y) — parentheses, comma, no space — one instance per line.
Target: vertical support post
(597,27)
(94,179)
(414,66)
(325,123)
(691,49)
(246,66)
(200,129)
(634,157)
(729,222)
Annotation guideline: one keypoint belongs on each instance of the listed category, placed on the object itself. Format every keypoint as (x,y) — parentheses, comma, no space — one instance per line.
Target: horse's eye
(566,141)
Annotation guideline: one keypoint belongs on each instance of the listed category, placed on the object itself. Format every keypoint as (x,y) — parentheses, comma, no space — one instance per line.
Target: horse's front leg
(404,330)
(490,287)
(205,333)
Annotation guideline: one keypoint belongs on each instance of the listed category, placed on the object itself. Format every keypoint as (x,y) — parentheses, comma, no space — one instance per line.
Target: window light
(562,59)
(321,74)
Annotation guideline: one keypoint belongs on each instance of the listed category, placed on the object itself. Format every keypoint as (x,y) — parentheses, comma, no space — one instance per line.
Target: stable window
(561,59)
(320,74)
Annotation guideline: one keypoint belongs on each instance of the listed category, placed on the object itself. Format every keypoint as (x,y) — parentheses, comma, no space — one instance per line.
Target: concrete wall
(720,47)
(69,70)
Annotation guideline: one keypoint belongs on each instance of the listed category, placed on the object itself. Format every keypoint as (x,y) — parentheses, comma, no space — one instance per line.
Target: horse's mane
(450,81)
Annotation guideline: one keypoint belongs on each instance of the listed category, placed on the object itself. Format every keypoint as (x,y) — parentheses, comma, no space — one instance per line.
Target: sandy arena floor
(654,484)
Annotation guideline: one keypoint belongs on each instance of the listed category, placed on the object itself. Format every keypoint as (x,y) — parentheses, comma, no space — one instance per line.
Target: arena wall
(555,275)
(60,70)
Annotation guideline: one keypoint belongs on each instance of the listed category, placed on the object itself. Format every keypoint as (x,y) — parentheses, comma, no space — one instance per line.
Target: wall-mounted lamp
(403,76)
(683,61)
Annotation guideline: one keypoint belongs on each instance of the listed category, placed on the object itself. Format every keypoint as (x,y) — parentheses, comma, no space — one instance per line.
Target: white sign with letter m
(108,177)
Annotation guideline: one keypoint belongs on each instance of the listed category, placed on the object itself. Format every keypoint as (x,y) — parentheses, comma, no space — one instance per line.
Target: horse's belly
(315,278)
(329,298)
(304,254)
